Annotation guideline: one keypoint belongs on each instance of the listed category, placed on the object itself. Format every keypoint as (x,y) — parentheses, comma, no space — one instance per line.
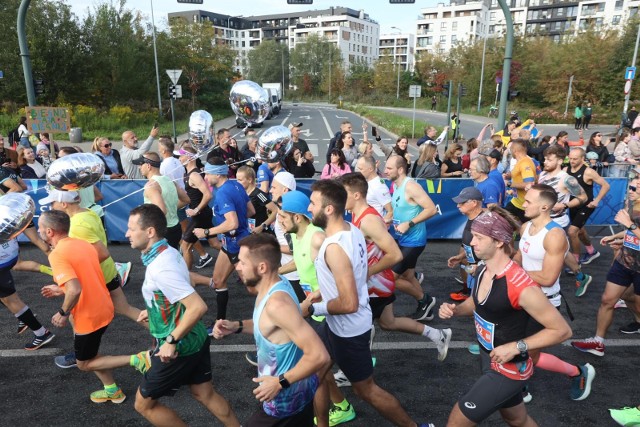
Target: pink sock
(590,249)
(549,362)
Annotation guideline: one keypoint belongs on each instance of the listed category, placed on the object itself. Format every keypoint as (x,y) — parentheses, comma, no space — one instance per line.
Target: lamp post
(155,58)
(395,61)
(484,51)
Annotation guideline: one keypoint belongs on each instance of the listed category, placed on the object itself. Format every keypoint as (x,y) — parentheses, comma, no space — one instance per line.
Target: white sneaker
(443,344)
(341,379)
(620,304)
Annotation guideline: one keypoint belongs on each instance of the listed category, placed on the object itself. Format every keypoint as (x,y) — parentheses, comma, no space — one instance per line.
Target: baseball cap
(495,154)
(142,160)
(469,193)
(286,179)
(61,197)
(294,125)
(296,202)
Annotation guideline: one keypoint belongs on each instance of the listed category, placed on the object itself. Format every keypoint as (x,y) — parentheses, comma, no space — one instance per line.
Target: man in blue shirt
(494,157)
(479,172)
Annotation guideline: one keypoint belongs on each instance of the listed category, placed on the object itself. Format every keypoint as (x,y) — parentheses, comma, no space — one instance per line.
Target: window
(619,4)
(493,16)
(443,39)
(443,25)
(615,20)
(454,38)
(454,26)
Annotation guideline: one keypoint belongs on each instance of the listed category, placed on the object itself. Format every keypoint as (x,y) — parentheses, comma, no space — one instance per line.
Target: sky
(387,15)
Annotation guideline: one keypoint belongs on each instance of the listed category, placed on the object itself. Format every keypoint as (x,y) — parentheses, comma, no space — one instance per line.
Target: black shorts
(303,418)
(233,256)
(164,379)
(203,220)
(580,215)
(86,346)
(182,213)
(620,275)
(491,392)
(378,304)
(7,285)
(114,284)
(352,354)
(409,258)
(173,236)
(518,213)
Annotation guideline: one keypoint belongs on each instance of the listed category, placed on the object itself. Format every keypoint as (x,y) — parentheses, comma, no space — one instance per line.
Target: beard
(320,220)
(251,282)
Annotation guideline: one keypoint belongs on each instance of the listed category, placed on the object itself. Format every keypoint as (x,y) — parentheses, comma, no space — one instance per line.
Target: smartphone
(156,125)
(374,131)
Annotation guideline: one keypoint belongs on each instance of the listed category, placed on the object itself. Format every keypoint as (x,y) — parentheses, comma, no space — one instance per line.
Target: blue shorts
(182,213)
(623,276)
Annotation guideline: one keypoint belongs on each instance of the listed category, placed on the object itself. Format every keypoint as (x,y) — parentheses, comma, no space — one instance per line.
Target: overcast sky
(387,15)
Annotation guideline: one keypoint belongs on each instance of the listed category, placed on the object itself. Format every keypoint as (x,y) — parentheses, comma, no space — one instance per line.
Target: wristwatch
(522,347)
(62,312)
(411,224)
(311,309)
(206,232)
(632,227)
(284,383)
(171,339)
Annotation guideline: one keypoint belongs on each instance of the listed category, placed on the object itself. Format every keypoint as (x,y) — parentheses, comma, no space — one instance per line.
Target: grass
(394,123)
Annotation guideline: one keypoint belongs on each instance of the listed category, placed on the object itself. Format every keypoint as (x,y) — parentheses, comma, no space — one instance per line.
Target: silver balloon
(75,171)
(16,212)
(201,131)
(250,101)
(274,144)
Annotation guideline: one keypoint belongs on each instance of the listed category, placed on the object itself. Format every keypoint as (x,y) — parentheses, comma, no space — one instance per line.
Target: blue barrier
(447,224)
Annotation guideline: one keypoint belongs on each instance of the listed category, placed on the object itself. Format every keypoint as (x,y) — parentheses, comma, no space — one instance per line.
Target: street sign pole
(173,121)
(448,120)
(415,91)
(174,75)
(627,96)
(457,131)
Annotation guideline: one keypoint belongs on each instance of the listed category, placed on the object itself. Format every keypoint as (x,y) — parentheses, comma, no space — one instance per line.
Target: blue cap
(296,202)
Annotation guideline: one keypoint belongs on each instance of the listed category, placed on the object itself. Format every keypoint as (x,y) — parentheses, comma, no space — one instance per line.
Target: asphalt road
(37,393)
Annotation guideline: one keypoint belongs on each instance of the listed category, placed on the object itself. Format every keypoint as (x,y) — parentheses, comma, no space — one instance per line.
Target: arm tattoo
(573,186)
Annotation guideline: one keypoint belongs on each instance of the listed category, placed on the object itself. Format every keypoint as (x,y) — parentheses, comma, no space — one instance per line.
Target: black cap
(142,160)
(469,193)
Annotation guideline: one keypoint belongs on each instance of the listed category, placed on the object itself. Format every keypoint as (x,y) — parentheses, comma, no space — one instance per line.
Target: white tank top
(562,217)
(352,242)
(284,258)
(9,251)
(532,249)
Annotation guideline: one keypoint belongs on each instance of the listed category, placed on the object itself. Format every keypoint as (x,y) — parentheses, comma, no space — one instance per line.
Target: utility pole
(155,58)
(566,107)
(633,64)
(457,121)
(24,52)
(484,51)
(506,67)
(448,119)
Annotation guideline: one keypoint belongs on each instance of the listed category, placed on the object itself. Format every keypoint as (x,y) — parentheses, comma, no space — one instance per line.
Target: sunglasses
(633,188)
(107,145)
(599,134)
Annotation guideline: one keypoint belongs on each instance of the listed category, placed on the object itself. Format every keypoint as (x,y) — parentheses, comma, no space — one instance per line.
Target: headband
(216,169)
(493,225)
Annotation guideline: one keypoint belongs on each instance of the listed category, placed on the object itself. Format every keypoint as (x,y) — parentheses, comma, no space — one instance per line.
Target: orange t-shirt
(77,259)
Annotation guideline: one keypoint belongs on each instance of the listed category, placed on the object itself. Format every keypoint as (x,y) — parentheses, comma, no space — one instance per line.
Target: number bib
(631,241)
(484,331)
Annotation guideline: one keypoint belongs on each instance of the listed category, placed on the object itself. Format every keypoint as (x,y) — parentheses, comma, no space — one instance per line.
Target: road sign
(627,87)
(630,73)
(1,74)
(174,75)
(415,91)
(178,91)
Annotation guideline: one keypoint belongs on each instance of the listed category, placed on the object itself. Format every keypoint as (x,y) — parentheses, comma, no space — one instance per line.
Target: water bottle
(468,268)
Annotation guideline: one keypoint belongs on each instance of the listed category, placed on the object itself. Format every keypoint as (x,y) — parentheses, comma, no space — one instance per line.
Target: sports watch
(171,339)
(522,347)
(632,227)
(284,383)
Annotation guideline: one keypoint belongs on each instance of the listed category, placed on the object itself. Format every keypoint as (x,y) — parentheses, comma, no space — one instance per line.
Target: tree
(384,76)
(309,59)
(268,61)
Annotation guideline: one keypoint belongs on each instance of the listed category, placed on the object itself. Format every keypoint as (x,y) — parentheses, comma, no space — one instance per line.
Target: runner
(624,272)
(542,250)
(341,266)
(411,208)
(378,196)
(231,207)
(521,178)
(289,351)
(502,302)
(174,310)
(266,210)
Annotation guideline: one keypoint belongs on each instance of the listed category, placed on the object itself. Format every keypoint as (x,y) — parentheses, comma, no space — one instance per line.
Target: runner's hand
(446,310)
(314,297)
(51,291)
(623,218)
(453,261)
(59,320)
(268,389)
(199,232)
(504,353)
(143,316)
(223,327)
(167,352)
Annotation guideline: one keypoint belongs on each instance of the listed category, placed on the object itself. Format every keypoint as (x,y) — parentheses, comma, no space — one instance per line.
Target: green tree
(309,59)
(360,80)
(268,61)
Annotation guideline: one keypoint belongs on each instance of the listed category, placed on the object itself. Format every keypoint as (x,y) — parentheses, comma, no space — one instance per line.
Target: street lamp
(484,51)
(395,48)
(155,58)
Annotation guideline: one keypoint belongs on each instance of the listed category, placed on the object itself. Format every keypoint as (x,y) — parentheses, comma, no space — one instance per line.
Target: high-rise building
(400,48)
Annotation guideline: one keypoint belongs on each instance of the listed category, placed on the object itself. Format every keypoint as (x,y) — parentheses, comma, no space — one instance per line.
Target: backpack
(14,138)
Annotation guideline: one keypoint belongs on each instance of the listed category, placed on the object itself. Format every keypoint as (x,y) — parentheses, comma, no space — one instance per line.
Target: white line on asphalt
(326,124)
(381,346)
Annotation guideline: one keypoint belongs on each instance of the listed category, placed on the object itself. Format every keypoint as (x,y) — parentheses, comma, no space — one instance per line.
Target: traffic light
(173,92)
(463,90)
(38,85)
(445,90)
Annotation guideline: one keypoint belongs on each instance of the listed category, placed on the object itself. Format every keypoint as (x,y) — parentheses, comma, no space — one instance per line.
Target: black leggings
(578,123)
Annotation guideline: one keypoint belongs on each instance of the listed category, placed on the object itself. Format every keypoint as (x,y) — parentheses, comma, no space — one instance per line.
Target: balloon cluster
(75,171)
(201,131)
(250,101)
(274,144)
(16,212)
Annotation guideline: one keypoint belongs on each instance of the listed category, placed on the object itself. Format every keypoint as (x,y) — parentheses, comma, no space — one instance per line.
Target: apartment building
(400,48)
(352,31)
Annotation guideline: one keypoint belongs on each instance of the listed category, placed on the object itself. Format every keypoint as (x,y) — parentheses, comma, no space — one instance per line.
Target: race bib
(484,331)
(396,222)
(631,241)
(306,288)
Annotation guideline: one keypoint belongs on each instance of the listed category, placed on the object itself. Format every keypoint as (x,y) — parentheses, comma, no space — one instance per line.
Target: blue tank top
(276,359)
(404,211)
(231,197)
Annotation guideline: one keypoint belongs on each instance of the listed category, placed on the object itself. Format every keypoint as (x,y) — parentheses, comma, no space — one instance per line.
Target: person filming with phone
(131,152)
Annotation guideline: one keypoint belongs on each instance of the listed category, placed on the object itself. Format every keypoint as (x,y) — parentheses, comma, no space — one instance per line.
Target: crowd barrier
(120,196)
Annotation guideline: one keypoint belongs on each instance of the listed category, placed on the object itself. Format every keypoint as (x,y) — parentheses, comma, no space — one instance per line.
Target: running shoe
(141,361)
(461,295)
(631,328)
(252,358)
(589,345)
(425,309)
(443,344)
(458,279)
(22,327)
(582,285)
(203,262)
(620,304)
(474,349)
(526,396)
(341,379)
(39,341)
(337,415)
(102,396)
(586,257)
(67,361)
(627,417)
(569,271)
(124,268)
(581,384)
(427,425)
(419,277)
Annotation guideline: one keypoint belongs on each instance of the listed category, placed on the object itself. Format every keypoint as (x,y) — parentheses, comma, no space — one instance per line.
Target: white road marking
(313,148)
(326,123)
